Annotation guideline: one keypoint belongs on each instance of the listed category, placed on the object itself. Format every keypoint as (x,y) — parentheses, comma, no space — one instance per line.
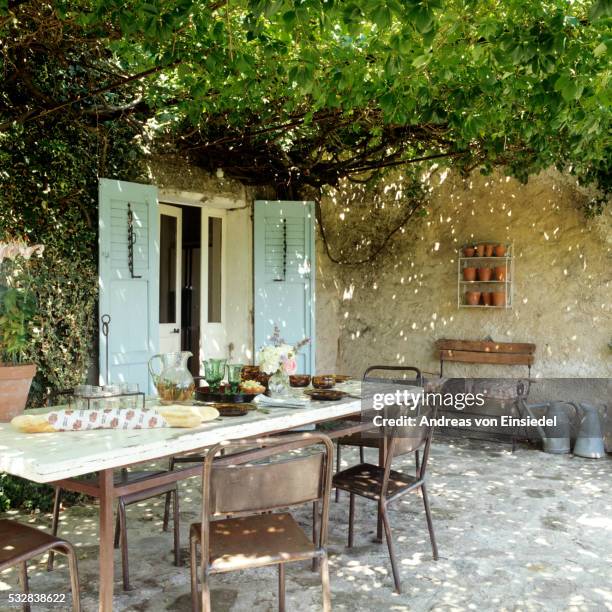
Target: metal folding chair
(20,543)
(244,519)
(124,477)
(385,485)
(397,374)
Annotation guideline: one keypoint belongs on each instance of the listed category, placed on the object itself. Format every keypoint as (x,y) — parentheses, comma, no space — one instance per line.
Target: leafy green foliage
(29,496)
(17,309)
(313,91)
(304,93)
(49,169)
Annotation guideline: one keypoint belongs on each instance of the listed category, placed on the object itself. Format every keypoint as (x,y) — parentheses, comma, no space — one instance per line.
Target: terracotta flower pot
(468,251)
(472,297)
(480,250)
(15,384)
(500,273)
(484,274)
(499,298)
(469,274)
(500,250)
(488,250)
(486,298)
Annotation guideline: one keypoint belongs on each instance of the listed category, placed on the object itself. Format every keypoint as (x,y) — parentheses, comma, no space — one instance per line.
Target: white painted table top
(46,457)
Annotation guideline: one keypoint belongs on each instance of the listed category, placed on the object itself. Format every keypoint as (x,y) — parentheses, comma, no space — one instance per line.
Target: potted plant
(17,311)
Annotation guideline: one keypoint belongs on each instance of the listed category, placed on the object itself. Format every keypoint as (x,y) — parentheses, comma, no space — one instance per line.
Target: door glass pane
(215,227)
(167,269)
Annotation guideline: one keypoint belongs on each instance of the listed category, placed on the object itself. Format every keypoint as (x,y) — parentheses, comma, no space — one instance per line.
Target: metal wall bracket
(283,277)
(131,241)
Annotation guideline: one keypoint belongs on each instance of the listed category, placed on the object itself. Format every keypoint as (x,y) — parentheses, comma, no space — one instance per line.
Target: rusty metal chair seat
(256,541)
(366,480)
(125,477)
(20,543)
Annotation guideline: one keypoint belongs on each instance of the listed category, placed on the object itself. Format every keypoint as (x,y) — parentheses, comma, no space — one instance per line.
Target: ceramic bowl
(340,378)
(299,380)
(326,381)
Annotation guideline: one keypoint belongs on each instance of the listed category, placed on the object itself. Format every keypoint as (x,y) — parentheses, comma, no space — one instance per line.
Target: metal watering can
(589,441)
(555,438)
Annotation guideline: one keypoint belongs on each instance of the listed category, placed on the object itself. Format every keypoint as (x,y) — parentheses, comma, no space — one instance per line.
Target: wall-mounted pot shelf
(494,293)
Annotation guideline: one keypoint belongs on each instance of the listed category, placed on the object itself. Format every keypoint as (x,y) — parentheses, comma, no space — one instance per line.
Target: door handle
(176,330)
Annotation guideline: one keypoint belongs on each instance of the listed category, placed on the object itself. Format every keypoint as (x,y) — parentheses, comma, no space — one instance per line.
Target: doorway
(192,282)
(170,265)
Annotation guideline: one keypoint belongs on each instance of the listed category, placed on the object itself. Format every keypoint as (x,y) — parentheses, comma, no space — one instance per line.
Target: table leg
(106,541)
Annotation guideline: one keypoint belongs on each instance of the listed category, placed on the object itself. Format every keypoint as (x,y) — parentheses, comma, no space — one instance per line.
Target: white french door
(170,272)
(214,248)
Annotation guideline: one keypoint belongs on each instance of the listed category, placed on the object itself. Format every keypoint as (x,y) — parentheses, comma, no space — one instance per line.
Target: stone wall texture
(393,309)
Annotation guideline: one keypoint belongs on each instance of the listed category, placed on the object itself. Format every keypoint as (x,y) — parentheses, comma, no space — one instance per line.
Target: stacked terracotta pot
(485,274)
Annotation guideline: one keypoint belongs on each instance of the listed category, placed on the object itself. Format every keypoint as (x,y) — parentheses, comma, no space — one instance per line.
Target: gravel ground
(522,531)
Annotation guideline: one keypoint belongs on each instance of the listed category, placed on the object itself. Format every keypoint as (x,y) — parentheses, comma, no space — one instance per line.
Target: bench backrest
(484,351)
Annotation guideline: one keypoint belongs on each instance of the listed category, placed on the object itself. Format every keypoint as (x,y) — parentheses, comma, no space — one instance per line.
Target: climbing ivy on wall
(48,193)
(49,170)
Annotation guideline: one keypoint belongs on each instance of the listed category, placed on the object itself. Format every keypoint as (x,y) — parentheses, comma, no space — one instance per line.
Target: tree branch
(44,112)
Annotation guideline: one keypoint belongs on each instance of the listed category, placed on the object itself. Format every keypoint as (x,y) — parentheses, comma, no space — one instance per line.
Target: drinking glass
(110,392)
(213,373)
(81,393)
(129,401)
(97,399)
(234,371)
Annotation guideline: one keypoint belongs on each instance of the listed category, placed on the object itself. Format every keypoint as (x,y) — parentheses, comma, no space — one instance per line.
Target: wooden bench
(490,353)
(486,352)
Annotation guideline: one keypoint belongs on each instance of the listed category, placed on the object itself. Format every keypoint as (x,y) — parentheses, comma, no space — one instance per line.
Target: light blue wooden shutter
(284,275)
(129,294)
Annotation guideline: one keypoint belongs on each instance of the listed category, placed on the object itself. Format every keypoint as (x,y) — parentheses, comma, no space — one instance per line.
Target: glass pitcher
(214,369)
(174,382)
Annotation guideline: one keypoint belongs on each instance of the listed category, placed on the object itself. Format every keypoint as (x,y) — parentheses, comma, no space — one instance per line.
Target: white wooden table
(55,457)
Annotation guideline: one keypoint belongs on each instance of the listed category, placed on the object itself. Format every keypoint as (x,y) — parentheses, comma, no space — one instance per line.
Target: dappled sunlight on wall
(393,308)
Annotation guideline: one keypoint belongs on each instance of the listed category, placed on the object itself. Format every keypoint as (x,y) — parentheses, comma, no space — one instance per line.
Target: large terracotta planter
(15,384)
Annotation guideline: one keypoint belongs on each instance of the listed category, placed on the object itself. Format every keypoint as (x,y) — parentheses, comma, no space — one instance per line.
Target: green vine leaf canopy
(308,92)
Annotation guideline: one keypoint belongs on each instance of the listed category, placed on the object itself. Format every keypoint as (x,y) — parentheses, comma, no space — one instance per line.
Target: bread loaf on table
(109,418)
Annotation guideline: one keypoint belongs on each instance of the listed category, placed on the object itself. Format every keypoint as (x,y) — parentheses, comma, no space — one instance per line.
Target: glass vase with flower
(278,359)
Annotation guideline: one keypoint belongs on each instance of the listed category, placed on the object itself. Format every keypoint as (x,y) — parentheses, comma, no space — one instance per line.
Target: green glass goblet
(213,373)
(234,371)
